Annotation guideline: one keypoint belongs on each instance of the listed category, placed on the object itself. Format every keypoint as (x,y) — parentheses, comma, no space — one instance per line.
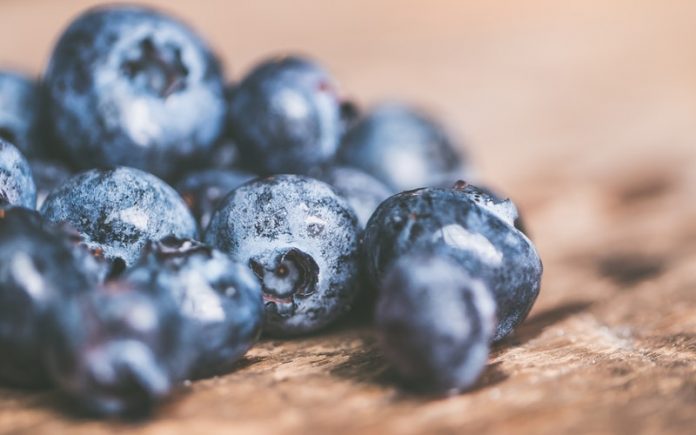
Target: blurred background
(573,83)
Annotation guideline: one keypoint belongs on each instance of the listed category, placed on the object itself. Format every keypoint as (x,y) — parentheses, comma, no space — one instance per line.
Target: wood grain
(584,112)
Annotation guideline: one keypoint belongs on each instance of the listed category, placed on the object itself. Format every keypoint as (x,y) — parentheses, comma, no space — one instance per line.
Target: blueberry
(435,322)
(362,191)
(286,116)
(48,175)
(221,299)
(402,147)
(117,351)
(38,268)
(21,113)
(504,208)
(130,86)
(301,241)
(485,245)
(119,210)
(17,186)
(203,190)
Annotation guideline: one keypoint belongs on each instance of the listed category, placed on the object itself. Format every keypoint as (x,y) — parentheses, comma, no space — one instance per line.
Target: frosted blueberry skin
(435,323)
(118,210)
(117,351)
(286,117)
(202,191)
(218,298)
(38,268)
(17,186)
(402,147)
(486,246)
(130,86)
(301,241)
(48,175)
(21,113)
(362,191)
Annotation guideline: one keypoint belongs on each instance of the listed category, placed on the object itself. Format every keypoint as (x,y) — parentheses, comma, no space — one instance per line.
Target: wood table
(583,112)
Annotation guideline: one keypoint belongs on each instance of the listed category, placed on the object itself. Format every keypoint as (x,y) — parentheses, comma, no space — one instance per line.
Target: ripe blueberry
(362,191)
(204,190)
(21,114)
(505,209)
(435,322)
(131,86)
(118,210)
(38,268)
(17,186)
(218,298)
(286,116)
(485,245)
(402,147)
(116,351)
(48,175)
(301,241)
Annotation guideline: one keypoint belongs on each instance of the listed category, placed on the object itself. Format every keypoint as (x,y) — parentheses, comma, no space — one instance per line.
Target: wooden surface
(584,112)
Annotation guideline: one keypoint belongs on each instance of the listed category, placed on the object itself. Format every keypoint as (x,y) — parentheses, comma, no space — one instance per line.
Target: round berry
(486,246)
(301,241)
(118,210)
(130,86)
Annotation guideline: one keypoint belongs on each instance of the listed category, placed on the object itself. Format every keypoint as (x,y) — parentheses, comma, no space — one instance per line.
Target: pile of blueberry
(287,203)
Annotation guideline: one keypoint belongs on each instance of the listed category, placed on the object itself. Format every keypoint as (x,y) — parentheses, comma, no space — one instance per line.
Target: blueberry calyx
(284,276)
(460,185)
(158,69)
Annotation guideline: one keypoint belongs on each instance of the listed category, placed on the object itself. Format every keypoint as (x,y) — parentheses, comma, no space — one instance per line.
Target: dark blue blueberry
(404,148)
(486,245)
(117,351)
(48,175)
(301,241)
(17,186)
(362,191)
(130,86)
(118,210)
(203,190)
(219,299)
(435,322)
(286,116)
(38,268)
(21,113)
(504,208)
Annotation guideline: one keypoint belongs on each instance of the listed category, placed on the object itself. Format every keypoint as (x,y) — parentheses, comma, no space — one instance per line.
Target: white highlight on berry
(24,271)
(459,237)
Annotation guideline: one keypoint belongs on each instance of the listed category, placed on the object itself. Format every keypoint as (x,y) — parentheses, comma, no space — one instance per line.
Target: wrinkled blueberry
(301,241)
(17,186)
(118,210)
(116,351)
(485,245)
(219,298)
(48,175)
(435,322)
(131,86)
(21,113)
(38,268)
(402,147)
(362,191)
(286,116)
(203,190)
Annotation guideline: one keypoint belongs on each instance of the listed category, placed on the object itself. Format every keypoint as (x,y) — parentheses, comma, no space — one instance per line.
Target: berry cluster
(288,203)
